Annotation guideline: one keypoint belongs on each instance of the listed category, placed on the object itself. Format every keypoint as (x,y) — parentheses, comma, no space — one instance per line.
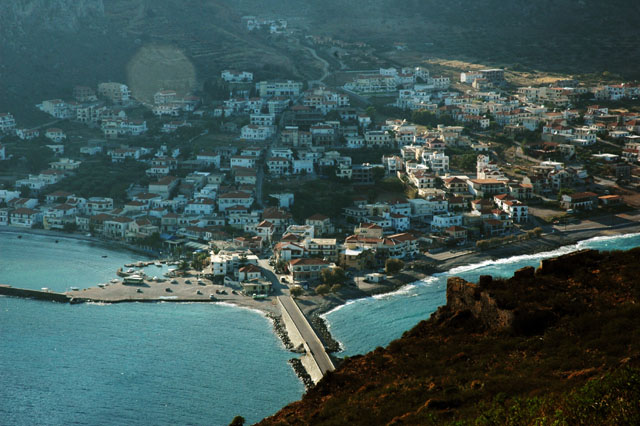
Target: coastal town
(324,185)
(297,212)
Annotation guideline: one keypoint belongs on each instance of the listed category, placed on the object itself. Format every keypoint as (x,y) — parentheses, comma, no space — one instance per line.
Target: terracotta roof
(250,268)
(308,261)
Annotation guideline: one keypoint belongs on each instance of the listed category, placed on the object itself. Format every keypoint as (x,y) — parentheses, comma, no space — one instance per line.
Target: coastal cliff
(559,343)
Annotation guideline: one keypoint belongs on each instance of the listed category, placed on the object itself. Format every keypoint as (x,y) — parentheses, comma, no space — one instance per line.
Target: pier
(315,360)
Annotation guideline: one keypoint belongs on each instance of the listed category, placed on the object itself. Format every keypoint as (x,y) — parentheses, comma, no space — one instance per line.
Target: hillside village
(315,178)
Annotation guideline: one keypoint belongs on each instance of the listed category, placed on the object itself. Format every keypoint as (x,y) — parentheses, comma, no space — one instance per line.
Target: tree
(25,191)
(378,174)
(199,261)
(393,266)
(564,191)
(183,266)
(295,291)
(281,266)
(323,289)
(237,421)
(336,288)
(371,112)
(333,275)
(70,227)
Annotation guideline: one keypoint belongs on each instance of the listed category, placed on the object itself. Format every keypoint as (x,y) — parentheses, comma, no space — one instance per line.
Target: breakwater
(7,290)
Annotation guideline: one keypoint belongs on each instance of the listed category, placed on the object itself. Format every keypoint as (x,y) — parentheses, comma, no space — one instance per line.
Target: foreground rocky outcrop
(560,343)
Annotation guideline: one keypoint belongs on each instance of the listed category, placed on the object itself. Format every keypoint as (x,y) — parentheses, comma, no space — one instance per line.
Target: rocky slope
(560,343)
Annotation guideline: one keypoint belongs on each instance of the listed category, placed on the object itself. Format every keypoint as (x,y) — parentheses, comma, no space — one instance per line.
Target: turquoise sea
(168,364)
(127,364)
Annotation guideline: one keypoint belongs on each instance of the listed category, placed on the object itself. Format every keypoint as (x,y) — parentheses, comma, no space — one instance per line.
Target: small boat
(103,256)
(44,289)
(19,236)
(114,281)
(57,241)
(101,285)
(130,271)
(158,264)
(74,288)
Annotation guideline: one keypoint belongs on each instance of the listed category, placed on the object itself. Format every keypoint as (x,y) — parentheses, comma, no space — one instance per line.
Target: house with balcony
(579,201)
(235,198)
(322,224)
(307,269)
(164,186)
(278,166)
(265,230)
(25,217)
(285,251)
(486,187)
(117,227)
(244,161)
(209,158)
(443,221)
(324,248)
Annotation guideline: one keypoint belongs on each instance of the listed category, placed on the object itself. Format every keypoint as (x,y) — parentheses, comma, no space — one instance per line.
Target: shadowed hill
(48,47)
(561,343)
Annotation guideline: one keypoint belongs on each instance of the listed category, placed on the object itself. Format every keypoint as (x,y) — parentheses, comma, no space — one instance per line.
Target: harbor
(142,282)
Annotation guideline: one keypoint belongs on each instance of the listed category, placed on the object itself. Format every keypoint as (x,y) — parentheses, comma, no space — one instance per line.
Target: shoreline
(319,306)
(315,307)
(109,244)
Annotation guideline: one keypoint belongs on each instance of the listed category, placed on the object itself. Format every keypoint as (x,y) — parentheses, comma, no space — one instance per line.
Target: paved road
(313,342)
(267,271)
(325,67)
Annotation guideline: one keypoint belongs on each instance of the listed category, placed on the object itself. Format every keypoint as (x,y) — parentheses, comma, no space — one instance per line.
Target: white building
(231,76)
(164,97)
(301,166)
(231,199)
(437,161)
(279,88)
(56,108)
(256,133)
(7,122)
(444,221)
(116,92)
